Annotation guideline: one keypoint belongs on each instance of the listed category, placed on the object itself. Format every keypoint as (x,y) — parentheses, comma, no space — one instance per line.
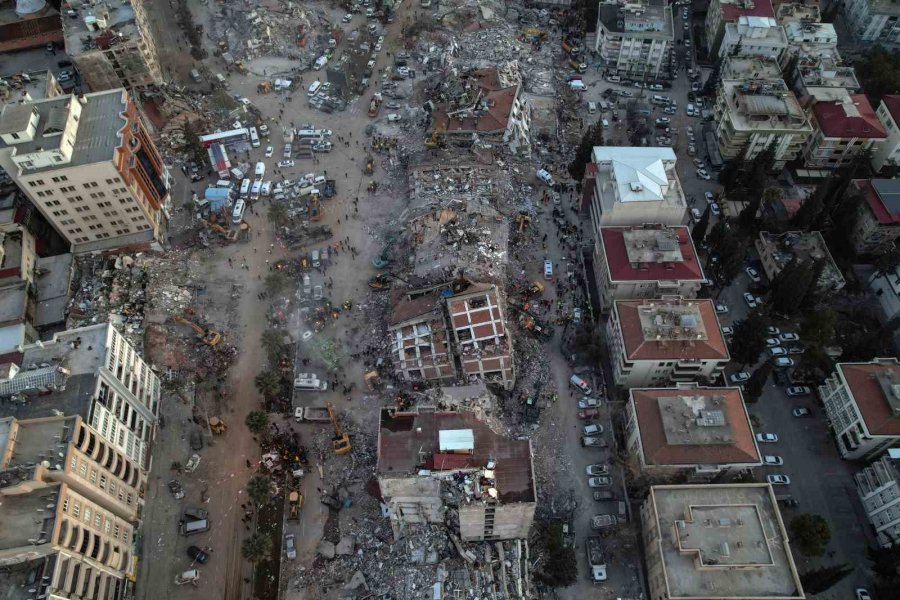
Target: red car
(588,413)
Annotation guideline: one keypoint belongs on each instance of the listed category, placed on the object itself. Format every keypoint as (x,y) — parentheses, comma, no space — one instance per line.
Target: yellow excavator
(341,441)
(435,140)
(209,337)
(229,234)
(370,164)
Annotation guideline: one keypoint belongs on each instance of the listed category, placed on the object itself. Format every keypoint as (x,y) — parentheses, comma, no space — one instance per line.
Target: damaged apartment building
(433,464)
(485,105)
(452,331)
(111,44)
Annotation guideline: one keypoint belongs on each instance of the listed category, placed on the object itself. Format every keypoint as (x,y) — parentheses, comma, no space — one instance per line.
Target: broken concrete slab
(344,546)
(325,549)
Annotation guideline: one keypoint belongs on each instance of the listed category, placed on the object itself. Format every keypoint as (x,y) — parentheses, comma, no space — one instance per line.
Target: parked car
(588,414)
(197,554)
(739,377)
(797,349)
(789,337)
(727,330)
(588,403)
(289,547)
(597,469)
(285,163)
(603,495)
(772,342)
(750,299)
(599,482)
(721,308)
(772,330)
(770,460)
(784,361)
(592,430)
(703,174)
(753,274)
(593,442)
(863,594)
(801,412)
(766,438)
(778,479)
(269,151)
(798,390)
(777,351)
(714,209)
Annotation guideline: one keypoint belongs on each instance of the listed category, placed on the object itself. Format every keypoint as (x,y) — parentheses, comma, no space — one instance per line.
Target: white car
(863,594)
(702,174)
(285,163)
(347,18)
(721,308)
(750,299)
(753,274)
(592,430)
(696,214)
(772,330)
(766,438)
(770,460)
(269,151)
(394,117)
(784,361)
(801,412)
(545,176)
(289,547)
(778,479)
(588,403)
(798,390)
(597,469)
(772,342)
(727,330)
(243,100)
(789,337)
(739,377)
(714,209)
(777,351)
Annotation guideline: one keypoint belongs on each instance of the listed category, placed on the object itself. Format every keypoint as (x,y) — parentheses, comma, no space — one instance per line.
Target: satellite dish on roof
(29,7)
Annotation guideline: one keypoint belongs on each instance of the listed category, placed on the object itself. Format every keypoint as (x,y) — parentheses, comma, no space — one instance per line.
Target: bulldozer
(209,337)
(295,499)
(370,164)
(217,426)
(341,441)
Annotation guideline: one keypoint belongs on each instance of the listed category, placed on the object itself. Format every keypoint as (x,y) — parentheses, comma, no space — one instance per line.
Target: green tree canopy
(824,578)
(592,137)
(256,547)
(256,421)
(559,568)
(259,489)
(754,388)
(700,227)
(268,383)
(749,339)
(811,534)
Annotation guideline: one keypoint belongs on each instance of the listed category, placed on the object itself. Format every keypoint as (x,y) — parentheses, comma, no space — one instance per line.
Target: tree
(823,578)
(278,215)
(268,383)
(727,252)
(559,568)
(700,227)
(886,565)
(811,534)
(275,282)
(817,328)
(808,215)
(747,217)
(256,547)
(879,73)
(259,489)
(272,341)
(791,285)
(754,387)
(256,421)
(592,137)
(749,338)
(712,83)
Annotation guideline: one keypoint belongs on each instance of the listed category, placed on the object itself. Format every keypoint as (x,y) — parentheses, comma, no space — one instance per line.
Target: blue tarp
(218,198)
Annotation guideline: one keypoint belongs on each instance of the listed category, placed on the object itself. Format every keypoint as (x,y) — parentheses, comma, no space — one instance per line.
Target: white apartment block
(754,36)
(797,12)
(93,372)
(655,343)
(862,402)
(722,12)
(873,21)
(90,167)
(634,186)
(810,40)
(815,74)
(634,39)
(754,114)
(888,155)
(879,491)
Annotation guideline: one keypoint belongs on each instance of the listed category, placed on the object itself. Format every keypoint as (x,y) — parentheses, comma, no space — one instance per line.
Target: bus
(237,215)
(307,134)
(226,138)
(254,137)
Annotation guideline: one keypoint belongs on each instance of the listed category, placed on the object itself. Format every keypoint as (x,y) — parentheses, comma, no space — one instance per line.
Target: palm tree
(276,281)
(256,421)
(272,342)
(256,547)
(268,383)
(278,214)
(259,489)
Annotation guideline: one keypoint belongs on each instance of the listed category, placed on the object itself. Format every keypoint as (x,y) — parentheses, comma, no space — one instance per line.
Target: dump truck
(192,576)
(596,560)
(603,521)
(217,426)
(375,104)
(295,500)
(316,414)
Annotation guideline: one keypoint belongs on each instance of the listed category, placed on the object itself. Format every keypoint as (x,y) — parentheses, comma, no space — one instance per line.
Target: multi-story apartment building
(810,40)
(112,45)
(797,12)
(777,250)
(886,289)
(654,343)
(689,431)
(888,154)
(17,271)
(845,126)
(877,225)
(815,74)
(420,344)
(645,262)
(634,39)
(92,372)
(873,21)
(879,492)
(90,166)
(754,36)
(421,452)
(633,186)
(717,542)
(754,114)
(862,401)
(721,12)
(482,340)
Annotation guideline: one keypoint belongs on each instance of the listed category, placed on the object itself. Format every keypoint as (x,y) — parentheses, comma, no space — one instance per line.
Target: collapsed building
(431,462)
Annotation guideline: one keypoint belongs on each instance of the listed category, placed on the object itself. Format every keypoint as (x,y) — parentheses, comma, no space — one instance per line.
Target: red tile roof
(869,397)
(620,269)
(495,118)
(657,451)
(877,205)
(408,441)
(892,103)
(639,348)
(761,8)
(835,123)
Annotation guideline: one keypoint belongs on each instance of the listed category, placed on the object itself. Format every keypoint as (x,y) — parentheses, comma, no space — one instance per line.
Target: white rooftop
(639,173)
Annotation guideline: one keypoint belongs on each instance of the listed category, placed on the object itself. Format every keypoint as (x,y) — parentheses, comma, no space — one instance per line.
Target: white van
(237,173)
(548,269)
(266,189)
(545,176)
(224,183)
(319,180)
(260,170)
(605,124)
(254,137)
(255,190)
(581,384)
(245,187)
(313,88)
(308,382)
(320,62)
(577,85)
(592,107)
(237,215)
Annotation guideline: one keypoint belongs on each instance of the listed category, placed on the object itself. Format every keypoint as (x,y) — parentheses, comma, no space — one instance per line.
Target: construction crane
(209,337)
(341,441)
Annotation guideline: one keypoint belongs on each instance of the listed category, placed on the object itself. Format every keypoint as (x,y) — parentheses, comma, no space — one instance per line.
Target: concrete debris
(344,547)
(326,549)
